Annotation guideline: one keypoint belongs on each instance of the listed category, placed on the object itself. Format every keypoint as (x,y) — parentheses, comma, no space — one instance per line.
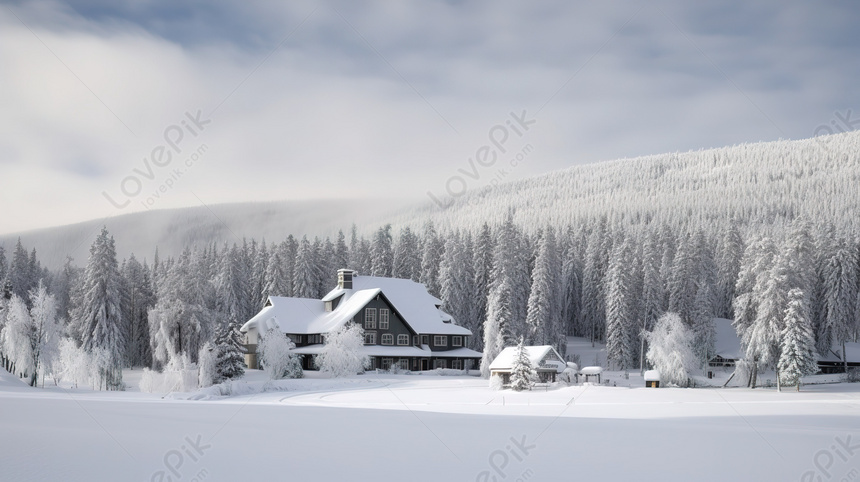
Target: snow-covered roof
(652,376)
(415,304)
(418,308)
(373,350)
(536,354)
(591,370)
(727,343)
(852,353)
(458,353)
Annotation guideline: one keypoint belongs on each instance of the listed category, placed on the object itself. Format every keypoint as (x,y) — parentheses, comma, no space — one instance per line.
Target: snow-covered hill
(171,230)
(761,185)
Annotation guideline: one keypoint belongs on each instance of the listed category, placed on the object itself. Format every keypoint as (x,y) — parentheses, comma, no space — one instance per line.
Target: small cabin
(544,359)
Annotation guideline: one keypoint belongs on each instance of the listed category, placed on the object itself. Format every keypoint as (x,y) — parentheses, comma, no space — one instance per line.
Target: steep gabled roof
(410,300)
(418,308)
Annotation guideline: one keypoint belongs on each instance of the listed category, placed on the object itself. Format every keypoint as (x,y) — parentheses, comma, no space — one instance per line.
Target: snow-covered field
(409,427)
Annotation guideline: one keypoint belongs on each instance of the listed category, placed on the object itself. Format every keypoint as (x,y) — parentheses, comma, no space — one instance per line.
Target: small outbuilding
(591,373)
(546,362)
(652,379)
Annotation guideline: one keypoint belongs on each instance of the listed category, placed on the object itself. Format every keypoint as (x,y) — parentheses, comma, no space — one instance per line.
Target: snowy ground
(409,427)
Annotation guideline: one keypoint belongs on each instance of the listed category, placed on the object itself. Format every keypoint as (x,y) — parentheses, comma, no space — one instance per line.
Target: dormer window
(328,306)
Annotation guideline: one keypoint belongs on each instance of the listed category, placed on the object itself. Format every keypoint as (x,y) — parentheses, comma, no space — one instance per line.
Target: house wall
(449,342)
(395,323)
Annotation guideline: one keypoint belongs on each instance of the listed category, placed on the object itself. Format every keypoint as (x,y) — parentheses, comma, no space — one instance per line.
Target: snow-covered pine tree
(483,263)
(230,351)
(101,316)
(522,372)
(704,334)
(430,259)
(682,282)
(382,253)
(542,319)
(620,322)
(277,281)
(4,265)
(407,256)
(306,276)
(260,265)
(289,255)
(570,295)
(651,306)
(456,279)
(728,257)
(341,252)
(797,353)
(21,273)
(761,340)
(326,268)
(593,278)
(505,294)
(137,299)
(840,285)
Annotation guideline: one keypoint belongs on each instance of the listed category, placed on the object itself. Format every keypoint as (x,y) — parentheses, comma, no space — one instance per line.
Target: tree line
(601,279)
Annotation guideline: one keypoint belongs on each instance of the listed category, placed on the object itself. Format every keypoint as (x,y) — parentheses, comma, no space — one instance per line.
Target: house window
(370,319)
(457,364)
(440,340)
(383,318)
(328,305)
(415,340)
(439,363)
(386,363)
(425,339)
(402,339)
(404,363)
(456,341)
(387,339)
(298,339)
(370,338)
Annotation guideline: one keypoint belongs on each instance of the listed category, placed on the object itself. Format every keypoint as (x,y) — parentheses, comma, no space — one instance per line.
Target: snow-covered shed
(652,378)
(591,372)
(403,324)
(544,359)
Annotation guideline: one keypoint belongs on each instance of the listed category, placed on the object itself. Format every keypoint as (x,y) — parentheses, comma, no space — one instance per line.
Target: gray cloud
(389,99)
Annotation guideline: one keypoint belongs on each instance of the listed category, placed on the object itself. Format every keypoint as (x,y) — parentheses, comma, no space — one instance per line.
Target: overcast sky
(112,107)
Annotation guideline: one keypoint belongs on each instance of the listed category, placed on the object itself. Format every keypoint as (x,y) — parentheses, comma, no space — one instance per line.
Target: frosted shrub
(207,363)
(342,355)
(180,375)
(277,357)
(670,350)
(496,382)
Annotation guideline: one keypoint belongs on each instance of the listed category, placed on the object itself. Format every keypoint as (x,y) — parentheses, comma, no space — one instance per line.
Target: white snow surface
(379,427)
